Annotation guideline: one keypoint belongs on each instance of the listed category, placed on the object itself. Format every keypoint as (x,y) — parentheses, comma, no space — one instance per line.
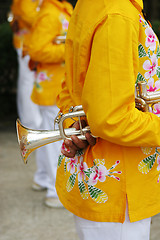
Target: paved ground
(23,215)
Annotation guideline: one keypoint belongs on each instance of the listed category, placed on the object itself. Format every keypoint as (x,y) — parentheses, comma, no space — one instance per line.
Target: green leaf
(149,54)
(141,50)
(79,153)
(97,194)
(65,166)
(88,172)
(71,182)
(158,52)
(158,72)
(83,190)
(60,160)
(146,164)
(140,78)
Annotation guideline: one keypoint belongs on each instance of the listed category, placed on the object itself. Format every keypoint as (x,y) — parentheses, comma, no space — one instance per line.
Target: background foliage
(8,60)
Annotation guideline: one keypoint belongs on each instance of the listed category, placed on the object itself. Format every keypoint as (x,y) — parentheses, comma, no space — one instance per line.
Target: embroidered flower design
(156,108)
(88,177)
(153,86)
(146,150)
(150,39)
(158,162)
(42,76)
(65,148)
(98,174)
(158,168)
(81,168)
(71,165)
(150,66)
(147,163)
(140,18)
(65,24)
(111,174)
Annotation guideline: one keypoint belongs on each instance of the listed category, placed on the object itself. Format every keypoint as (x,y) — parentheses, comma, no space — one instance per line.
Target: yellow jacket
(109,48)
(24,11)
(51,22)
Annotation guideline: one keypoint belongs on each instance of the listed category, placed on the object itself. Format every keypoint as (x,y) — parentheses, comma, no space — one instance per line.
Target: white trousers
(28,112)
(89,230)
(47,156)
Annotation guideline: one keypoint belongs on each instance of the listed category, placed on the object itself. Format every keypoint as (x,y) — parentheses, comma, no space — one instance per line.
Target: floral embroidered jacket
(109,48)
(52,21)
(25,12)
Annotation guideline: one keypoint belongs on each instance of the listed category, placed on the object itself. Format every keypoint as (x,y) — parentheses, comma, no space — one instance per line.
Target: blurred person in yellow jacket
(47,58)
(111,183)
(23,15)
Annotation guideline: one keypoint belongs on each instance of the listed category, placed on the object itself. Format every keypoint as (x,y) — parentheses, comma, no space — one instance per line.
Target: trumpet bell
(30,139)
(22,134)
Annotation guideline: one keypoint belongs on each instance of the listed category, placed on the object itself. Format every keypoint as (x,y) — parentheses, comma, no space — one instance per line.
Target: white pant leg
(41,176)
(47,156)
(28,111)
(90,230)
(139,230)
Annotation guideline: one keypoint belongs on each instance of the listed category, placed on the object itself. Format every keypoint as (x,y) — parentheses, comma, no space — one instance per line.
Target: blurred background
(8,60)
(8,69)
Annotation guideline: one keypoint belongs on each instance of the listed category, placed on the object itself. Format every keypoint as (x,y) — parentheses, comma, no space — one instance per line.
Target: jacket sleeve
(108,96)
(28,11)
(64,102)
(15,9)
(40,45)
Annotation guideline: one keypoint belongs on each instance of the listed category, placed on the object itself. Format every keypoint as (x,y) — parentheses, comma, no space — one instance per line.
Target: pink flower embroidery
(156,108)
(65,24)
(158,162)
(81,167)
(65,148)
(150,66)
(99,174)
(151,84)
(151,39)
(71,165)
(42,76)
(111,174)
(141,20)
(158,168)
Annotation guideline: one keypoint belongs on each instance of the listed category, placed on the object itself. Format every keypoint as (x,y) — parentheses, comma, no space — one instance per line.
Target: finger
(77,125)
(68,154)
(90,139)
(78,142)
(69,149)
(69,144)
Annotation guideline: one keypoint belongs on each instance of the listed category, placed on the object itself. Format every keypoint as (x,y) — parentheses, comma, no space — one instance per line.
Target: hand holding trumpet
(76,137)
(75,143)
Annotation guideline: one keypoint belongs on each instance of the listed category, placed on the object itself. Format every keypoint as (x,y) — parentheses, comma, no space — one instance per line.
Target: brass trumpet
(30,139)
